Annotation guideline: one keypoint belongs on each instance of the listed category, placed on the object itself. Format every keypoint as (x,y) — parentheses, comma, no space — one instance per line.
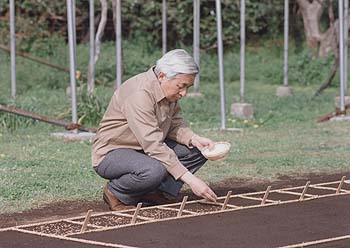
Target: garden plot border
(335,188)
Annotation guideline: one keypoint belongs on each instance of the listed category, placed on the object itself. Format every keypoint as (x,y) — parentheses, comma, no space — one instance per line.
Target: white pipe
(286,31)
(341,55)
(242,53)
(164,27)
(118,25)
(346,38)
(196,39)
(72,60)
(13,48)
(221,64)
(91,84)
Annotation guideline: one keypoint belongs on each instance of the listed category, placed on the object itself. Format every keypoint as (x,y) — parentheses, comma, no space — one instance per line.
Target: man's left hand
(201,142)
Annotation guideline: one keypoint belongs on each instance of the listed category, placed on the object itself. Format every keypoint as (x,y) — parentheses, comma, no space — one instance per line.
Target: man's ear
(161,76)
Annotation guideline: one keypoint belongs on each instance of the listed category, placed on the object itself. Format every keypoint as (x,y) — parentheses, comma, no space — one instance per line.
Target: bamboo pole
(266,195)
(86,221)
(134,217)
(341,184)
(226,200)
(184,200)
(304,191)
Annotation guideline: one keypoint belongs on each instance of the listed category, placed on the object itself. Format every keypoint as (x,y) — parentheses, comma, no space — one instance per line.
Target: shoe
(113,202)
(156,198)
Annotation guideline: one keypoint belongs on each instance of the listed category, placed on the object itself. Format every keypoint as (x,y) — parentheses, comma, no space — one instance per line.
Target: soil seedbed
(242,202)
(16,239)
(202,207)
(277,196)
(260,227)
(315,191)
(108,220)
(345,186)
(157,213)
(198,207)
(61,228)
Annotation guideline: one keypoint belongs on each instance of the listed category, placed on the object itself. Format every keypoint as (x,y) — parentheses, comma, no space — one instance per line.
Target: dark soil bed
(270,226)
(14,239)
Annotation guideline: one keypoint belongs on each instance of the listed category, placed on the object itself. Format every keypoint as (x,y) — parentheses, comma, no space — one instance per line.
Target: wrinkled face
(176,88)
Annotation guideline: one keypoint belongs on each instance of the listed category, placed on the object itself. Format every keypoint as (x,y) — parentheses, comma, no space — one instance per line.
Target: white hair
(176,62)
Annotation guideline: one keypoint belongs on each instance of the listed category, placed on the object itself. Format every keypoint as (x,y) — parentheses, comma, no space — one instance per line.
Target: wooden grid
(180,209)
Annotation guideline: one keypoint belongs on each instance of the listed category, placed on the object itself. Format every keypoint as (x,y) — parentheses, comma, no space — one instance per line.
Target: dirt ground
(262,227)
(68,209)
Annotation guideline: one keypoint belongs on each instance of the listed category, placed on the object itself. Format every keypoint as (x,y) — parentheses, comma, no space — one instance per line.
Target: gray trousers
(132,173)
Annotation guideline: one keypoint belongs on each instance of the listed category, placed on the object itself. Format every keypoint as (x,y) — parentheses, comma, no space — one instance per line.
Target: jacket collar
(159,94)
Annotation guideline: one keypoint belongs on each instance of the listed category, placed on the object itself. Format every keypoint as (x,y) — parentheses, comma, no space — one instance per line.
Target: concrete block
(242,110)
(71,136)
(283,91)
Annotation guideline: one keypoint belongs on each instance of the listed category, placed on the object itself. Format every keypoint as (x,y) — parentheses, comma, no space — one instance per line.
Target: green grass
(36,169)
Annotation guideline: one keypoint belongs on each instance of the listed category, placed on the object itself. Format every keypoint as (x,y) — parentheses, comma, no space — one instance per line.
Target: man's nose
(183,92)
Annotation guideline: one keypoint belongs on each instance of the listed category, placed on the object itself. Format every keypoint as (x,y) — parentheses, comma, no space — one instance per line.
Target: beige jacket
(140,117)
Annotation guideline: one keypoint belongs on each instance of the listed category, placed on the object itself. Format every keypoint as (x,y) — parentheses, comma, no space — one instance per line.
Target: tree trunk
(311,12)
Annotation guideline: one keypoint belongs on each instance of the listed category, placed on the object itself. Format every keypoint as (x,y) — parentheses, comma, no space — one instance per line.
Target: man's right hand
(199,187)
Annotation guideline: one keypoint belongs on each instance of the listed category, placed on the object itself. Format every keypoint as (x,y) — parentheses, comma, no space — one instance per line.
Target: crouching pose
(143,146)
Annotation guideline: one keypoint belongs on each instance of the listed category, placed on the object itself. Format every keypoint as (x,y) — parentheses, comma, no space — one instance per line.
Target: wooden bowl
(219,151)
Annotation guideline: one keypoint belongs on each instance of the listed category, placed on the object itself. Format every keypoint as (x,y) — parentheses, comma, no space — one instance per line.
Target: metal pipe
(341,55)
(164,27)
(74,31)
(196,39)
(118,25)
(346,41)
(13,48)
(286,31)
(67,125)
(242,53)
(72,60)
(221,63)
(91,84)
(44,62)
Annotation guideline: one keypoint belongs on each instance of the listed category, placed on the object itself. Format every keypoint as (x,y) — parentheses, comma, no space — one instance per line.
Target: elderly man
(143,146)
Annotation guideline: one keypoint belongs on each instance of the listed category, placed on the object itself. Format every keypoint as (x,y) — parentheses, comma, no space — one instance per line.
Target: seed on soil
(57,228)
(202,207)
(157,213)
(109,220)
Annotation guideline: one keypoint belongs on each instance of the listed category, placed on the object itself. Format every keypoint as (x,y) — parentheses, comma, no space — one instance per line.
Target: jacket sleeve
(179,131)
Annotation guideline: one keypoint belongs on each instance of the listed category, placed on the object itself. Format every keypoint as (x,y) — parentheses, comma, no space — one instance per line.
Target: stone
(242,110)
(284,91)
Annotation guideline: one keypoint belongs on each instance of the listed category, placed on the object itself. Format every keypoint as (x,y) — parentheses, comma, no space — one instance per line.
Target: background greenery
(42,19)
(282,139)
